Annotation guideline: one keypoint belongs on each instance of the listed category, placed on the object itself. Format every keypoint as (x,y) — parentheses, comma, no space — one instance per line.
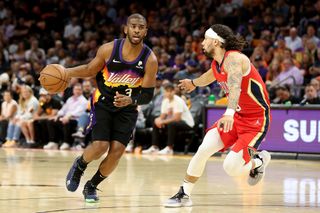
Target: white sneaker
(179,200)
(166,151)
(64,146)
(78,134)
(129,147)
(258,173)
(151,150)
(51,145)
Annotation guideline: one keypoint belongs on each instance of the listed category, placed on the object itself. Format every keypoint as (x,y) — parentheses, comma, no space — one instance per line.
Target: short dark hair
(285,87)
(168,86)
(136,16)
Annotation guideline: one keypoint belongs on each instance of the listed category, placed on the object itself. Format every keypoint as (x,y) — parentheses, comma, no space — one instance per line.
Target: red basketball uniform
(252,117)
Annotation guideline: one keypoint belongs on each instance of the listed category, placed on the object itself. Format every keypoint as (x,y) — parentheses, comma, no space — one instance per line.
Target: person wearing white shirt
(72,29)
(66,120)
(293,41)
(8,110)
(175,116)
(28,105)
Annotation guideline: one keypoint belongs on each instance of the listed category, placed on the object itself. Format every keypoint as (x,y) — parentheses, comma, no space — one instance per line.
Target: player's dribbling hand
(226,123)
(121,100)
(186,85)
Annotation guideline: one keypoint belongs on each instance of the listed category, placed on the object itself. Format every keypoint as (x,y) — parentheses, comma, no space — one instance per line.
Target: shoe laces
(90,189)
(78,173)
(179,195)
(254,172)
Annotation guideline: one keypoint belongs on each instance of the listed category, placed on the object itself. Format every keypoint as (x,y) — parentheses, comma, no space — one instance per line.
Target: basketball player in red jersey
(125,71)
(245,121)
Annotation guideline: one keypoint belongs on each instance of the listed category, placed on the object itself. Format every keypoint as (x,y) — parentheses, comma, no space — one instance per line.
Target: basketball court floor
(33,181)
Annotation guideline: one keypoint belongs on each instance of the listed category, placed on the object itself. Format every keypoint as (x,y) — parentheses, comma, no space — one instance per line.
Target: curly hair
(232,41)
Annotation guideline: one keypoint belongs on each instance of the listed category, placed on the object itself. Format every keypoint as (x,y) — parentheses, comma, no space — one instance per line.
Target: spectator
(72,30)
(19,53)
(190,71)
(274,70)
(293,41)
(87,89)
(175,116)
(8,110)
(283,96)
(311,96)
(290,75)
(261,66)
(66,120)
(311,34)
(28,105)
(47,110)
(35,53)
(316,84)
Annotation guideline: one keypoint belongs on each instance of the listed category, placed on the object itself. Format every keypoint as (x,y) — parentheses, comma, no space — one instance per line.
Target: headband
(212,34)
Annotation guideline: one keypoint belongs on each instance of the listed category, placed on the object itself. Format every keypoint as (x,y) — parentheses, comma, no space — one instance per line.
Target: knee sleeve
(234,164)
(210,145)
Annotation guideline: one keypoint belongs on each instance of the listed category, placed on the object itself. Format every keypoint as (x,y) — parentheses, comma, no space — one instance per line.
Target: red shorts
(247,134)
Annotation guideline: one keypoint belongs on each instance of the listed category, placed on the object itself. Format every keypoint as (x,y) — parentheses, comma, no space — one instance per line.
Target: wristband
(193,83)
(144,97)
(229,112)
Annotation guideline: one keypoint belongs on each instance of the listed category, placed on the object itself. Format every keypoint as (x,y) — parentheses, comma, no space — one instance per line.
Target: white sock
(257,162)
(187,187)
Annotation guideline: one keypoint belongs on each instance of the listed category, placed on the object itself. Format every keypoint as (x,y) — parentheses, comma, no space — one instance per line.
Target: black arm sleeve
(144,97)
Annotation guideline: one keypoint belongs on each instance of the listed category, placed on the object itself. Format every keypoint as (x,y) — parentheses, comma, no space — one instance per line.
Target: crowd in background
(283,43)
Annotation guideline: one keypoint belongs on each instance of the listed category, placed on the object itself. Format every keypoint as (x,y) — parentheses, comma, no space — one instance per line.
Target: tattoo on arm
(234,69)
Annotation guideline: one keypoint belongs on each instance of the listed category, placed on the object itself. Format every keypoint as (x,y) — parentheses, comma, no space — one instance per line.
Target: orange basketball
(54,78)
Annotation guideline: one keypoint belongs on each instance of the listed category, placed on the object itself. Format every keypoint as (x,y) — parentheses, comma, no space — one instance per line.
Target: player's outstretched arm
(94,66)
(204,80)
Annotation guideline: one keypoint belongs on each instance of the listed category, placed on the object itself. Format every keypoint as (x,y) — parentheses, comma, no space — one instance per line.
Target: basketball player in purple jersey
(125,71)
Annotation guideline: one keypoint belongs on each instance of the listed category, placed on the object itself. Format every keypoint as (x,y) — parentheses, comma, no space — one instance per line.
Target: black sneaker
(74,176)
(90,193)
(256,175)
(179,200)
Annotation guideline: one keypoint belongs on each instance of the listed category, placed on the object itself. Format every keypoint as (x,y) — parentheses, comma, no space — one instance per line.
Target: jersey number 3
(128,92)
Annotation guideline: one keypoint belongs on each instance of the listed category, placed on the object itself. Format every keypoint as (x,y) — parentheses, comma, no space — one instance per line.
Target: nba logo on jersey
(139,65)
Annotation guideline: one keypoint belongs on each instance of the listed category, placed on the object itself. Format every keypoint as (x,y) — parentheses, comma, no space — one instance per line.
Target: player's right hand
(225,123)
(186,85)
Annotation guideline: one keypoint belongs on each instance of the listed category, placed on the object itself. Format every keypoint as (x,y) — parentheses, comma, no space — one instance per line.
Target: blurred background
(283,43)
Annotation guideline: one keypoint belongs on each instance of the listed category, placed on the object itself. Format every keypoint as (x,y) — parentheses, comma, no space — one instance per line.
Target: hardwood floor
(34,181)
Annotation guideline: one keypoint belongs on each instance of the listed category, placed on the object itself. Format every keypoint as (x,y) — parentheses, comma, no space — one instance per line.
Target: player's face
(136,30)
(208,47)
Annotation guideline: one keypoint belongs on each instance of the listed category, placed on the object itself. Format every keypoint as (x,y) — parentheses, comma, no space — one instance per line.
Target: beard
(133,41)
(208,54)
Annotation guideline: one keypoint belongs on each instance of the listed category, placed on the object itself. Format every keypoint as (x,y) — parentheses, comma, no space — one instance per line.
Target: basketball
(54,78)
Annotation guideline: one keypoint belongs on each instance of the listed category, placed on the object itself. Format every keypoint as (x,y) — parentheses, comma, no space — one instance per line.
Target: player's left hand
(121,100)
(226,123)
